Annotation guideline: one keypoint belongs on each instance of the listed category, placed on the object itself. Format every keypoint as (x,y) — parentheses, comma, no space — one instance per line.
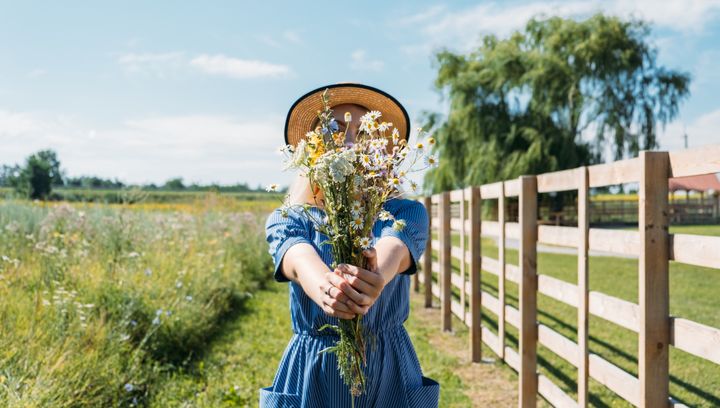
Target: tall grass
(97,304)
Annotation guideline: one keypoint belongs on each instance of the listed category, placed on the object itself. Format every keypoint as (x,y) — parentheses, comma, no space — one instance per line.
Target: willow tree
(555,95)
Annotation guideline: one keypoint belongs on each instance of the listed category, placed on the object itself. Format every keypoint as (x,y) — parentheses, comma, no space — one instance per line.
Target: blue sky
(145,91)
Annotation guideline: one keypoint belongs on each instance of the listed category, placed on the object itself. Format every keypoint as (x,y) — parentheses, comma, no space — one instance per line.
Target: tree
(175,184)
(35,180)
(525,104)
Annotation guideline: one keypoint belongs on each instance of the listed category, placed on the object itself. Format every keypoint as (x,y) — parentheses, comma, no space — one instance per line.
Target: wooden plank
(456,281)
(445,262)
(617,380)
(553,394)
(457,224)
(694,162)
(512,230)
(616,241)
(697,250)
(435,288)
(619,172)
(612,309)
(491,303)
(560,236)
(528,291)
(491,265)
(512,273)
(512,188)
(501,271)
(557,181)
(583,288)
(490,229)
(436,198)
(558,289)
(695,338)
(490,191)
(512,358)
(456,195)
(512,316)
(427,260)
(476,297)
(435,245)
(558,344)
(491,340)
(654,296)
(457,309)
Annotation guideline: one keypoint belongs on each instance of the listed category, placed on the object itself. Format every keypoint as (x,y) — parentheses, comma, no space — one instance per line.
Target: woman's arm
(302,265)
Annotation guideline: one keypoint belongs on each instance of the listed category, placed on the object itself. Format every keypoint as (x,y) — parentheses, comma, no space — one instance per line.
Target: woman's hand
(335,300)
(361,286)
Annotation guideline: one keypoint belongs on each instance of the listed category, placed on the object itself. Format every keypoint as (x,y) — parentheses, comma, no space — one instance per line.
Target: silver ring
(327,291)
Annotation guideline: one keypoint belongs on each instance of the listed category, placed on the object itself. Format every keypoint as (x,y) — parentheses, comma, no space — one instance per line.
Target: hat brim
(304,111)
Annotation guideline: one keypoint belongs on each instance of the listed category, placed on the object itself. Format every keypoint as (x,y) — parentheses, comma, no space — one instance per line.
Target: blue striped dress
(394,377)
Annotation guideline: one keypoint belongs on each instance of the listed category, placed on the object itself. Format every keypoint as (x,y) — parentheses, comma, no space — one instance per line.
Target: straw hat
(303,112)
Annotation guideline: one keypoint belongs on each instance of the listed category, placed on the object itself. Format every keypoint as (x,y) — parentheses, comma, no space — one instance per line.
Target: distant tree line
(41,172)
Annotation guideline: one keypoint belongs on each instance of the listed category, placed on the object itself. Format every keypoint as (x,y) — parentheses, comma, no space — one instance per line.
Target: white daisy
(431,161)
(272,187)
(395,135)
(357,223)
(364,242)
(385,215)
(399,225)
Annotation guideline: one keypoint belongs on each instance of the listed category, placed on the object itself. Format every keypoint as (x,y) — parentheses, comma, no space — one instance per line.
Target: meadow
(101,304)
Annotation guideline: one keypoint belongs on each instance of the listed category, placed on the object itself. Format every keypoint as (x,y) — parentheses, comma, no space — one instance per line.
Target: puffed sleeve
(415,233)
(282,232)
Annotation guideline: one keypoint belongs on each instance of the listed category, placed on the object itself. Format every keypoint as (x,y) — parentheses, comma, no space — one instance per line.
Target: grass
(99,305)
(246,356)
(693,295)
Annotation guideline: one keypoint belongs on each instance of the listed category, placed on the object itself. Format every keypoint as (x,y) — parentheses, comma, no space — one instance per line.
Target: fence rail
(653,245)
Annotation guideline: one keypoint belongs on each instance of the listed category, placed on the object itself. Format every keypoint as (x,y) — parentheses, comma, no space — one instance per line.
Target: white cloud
(35,73)
(200,147)
(292,37)
(169,64)
(361,62)
(238,68)
(463,27)
(159,65)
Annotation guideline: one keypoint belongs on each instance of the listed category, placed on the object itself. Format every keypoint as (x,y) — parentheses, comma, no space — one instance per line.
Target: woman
(319,295)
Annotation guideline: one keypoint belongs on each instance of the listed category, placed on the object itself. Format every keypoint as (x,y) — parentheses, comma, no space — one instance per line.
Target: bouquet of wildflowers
(356,179)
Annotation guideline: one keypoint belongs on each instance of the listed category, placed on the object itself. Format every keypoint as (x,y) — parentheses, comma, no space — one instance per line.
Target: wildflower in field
(430,161)
(189,298)
(148,271)
(129,387)
(357,223)
(272,187)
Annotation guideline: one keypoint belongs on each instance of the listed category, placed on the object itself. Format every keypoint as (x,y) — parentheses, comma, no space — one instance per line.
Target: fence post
(427,259)
(463,261)
(528,291)
(654,296)
(583,286)
(501,275)
(475,276)
(445,261)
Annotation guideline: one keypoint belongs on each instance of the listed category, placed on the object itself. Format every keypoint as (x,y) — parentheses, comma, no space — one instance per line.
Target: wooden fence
(651,243)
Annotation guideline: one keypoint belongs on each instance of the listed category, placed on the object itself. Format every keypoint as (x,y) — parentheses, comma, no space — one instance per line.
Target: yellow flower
(431,141)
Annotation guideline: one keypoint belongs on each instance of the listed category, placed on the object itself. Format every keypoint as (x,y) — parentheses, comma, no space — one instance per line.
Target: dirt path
(486,384)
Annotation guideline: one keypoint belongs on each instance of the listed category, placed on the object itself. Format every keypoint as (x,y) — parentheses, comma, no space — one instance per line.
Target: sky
(147,91)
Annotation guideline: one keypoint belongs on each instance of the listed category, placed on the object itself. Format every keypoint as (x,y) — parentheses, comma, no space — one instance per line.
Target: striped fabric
(306,379)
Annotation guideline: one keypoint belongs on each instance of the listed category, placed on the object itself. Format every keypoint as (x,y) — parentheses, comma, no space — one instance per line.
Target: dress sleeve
(282,232)
(415,233)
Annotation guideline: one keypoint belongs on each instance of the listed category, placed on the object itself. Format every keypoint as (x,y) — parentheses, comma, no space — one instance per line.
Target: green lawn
(693,295)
